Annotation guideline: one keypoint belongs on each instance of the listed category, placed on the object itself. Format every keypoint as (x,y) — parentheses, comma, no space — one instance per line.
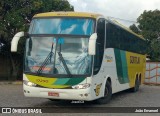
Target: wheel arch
(108,78)
(107,85)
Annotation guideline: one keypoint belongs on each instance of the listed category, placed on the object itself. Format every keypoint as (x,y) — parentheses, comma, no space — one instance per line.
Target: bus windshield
(63,49)
(73,26)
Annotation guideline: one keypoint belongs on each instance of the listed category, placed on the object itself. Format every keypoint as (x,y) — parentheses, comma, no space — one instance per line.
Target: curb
(10,82)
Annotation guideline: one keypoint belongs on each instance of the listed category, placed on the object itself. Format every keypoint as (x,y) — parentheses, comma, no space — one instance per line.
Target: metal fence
(152,75)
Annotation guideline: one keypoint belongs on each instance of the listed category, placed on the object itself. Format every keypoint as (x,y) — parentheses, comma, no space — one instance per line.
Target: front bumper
(64,94)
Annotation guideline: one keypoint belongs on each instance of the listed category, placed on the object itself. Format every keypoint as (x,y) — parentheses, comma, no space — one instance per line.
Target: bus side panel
(123,67)
(109,70)
(129,66)
(136,67)
(113,69)
(106,71)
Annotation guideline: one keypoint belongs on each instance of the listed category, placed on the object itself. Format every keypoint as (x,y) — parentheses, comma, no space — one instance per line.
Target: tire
(136,87)
(107,94)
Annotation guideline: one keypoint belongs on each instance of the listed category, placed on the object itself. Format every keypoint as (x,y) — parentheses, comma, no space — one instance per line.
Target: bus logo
(108,58)
(6,110)
(134,60)
(97,90)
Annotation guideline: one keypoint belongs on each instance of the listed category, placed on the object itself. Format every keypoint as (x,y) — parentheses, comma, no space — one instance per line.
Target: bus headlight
(28,83)
(81,86)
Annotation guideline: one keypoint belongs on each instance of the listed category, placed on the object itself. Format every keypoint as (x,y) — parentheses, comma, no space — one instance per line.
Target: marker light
(81,86)
(28,83)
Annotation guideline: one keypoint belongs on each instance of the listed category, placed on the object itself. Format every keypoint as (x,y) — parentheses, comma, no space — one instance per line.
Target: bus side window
(99,45)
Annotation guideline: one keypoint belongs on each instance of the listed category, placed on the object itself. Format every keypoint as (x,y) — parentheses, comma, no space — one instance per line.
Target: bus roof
(69,14)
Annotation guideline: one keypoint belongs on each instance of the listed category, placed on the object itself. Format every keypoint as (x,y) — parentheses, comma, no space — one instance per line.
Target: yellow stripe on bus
(69,14)
(135,66)
(45,81)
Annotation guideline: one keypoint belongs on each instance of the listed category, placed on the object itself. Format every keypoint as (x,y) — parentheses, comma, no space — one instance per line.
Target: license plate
(53,94)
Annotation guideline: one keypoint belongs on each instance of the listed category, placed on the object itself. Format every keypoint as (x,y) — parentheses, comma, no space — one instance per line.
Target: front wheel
(107,94)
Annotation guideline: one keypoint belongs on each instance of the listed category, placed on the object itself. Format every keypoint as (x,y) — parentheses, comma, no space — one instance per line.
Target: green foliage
(15,16)
(134,29)
(149,24)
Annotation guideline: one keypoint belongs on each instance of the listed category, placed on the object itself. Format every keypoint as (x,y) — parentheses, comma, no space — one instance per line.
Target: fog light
(86,94)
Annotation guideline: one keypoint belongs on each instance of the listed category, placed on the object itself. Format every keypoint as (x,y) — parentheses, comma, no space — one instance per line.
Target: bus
(80,56)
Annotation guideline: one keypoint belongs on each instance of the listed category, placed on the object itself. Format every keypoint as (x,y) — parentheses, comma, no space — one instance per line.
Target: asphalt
(11,82)
(148,96)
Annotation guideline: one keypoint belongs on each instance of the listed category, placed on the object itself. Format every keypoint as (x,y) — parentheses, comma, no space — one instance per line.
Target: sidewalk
(11,82)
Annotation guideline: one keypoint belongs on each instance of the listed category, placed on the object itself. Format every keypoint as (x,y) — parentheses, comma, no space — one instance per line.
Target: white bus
(80,56)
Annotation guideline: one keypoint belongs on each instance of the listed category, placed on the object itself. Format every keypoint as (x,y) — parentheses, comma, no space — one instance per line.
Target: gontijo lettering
(134,60)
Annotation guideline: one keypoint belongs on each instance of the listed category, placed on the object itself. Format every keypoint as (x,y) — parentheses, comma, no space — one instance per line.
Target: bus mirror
(92,44)
(14,42)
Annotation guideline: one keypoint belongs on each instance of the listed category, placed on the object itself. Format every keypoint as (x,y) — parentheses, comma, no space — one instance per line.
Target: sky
(123,9)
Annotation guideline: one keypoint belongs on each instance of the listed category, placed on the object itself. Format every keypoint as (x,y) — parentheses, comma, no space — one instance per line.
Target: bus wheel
(107,94)
(136,87)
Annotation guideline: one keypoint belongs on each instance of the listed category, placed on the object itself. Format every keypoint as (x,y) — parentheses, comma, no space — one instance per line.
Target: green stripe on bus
(61,81)
(121,66)
(118,65)
(124,67)
(75,81)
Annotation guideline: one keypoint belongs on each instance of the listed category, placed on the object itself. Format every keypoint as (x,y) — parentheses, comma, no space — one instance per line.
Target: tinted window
(99,45)
(116,37)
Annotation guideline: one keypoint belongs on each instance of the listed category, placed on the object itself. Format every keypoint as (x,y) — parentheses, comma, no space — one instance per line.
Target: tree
(149,24)
(16,15)
(135,29)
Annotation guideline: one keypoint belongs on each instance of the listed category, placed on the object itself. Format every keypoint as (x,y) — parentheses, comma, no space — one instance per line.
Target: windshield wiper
(64,64)
(46,61)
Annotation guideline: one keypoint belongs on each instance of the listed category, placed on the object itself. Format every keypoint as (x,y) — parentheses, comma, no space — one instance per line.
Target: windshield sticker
(54,40)
(60,41)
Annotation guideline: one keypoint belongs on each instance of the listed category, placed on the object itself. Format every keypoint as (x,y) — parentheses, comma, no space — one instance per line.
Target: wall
(152,75)
(4,68)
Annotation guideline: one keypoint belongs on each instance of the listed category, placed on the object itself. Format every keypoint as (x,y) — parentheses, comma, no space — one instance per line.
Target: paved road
(147,96)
